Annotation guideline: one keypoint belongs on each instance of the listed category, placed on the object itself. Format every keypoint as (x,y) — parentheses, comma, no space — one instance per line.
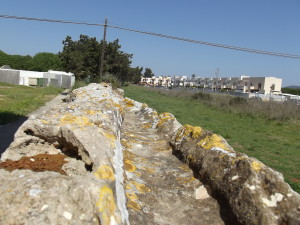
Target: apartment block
(243,84)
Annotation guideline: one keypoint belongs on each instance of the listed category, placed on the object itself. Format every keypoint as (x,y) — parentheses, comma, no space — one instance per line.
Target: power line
(50,20)
(279,54)
(211,44)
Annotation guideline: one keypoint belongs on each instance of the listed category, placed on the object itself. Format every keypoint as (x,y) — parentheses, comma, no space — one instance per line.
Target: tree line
(42,61)
(293,91)
(82,57)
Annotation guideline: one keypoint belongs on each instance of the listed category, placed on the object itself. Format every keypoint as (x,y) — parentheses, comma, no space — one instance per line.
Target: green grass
(275,143)
(79,84)
(17,101)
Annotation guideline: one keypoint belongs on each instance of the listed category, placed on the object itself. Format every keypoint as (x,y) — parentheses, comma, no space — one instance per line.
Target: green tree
(135,74)
(71,57)
(42,61)
(117,62)
(45,61)
(82,57)
(293,91)
(148,73)
(16,61)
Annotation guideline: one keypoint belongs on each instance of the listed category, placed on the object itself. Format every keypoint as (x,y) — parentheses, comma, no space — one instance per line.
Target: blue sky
(271,25)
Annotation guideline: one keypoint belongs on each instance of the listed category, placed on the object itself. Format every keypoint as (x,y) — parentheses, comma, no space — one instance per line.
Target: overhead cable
(210,43)
(279,54)
(50,20)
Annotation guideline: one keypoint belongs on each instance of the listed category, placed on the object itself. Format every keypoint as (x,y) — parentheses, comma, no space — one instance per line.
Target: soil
(37,163)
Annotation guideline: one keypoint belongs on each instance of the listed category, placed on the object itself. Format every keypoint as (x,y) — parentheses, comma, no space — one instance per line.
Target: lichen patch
(214,141)
(129,166)
(81,121)
(257,166)
(187,130)
(105,172)
(128,102)
(106,205)
(163,118)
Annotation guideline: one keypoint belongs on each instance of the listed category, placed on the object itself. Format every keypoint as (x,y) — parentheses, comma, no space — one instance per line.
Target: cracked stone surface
(160,188)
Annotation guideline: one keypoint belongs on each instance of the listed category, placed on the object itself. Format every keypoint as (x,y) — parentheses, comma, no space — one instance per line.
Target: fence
(10,76)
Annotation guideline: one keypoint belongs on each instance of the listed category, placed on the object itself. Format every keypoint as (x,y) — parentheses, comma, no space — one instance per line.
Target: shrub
(110,78)
(79,84)
(201,96)
(238,101)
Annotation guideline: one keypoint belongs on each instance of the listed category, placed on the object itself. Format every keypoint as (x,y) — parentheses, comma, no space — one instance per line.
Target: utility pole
(103,49)
(217,73)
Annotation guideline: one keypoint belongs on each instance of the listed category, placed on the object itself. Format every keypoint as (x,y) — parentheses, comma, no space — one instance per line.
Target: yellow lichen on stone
(213,140)
(187,130)
(111,137)
(140,187)
(147,125)
(163,118)
(128,187)
(120,108)
(257,166)
(106,205)
(129,166)
(185,180)
(237,159)
(90,112)
(81,121)
(105,172)
(128,154)
(132,201)
(137,173)
(128,102)
(134,205)
(45,122)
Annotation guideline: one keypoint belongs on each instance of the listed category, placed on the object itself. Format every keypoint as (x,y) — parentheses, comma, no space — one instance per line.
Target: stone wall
(84,185)
(75,147)
(253,192)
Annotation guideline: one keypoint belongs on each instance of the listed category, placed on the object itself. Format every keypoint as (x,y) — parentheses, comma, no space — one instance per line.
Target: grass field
(17,101)
(275,143)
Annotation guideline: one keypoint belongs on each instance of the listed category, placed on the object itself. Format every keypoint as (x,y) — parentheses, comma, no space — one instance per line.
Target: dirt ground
(8,131)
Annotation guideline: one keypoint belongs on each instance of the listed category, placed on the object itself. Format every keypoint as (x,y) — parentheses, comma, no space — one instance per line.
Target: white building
(243,84)
(34,78)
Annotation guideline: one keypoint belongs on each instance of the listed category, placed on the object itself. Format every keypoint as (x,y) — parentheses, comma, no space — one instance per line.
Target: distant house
(162,81)
(34,78)
(243,84)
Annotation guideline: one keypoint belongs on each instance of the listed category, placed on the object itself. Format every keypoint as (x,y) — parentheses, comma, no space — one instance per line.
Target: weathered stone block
(255,193)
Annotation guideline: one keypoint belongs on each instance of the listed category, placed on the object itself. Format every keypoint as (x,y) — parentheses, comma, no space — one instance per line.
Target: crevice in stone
(89,167)
(70,98)
(66,147)
(29,132)
(226,211)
